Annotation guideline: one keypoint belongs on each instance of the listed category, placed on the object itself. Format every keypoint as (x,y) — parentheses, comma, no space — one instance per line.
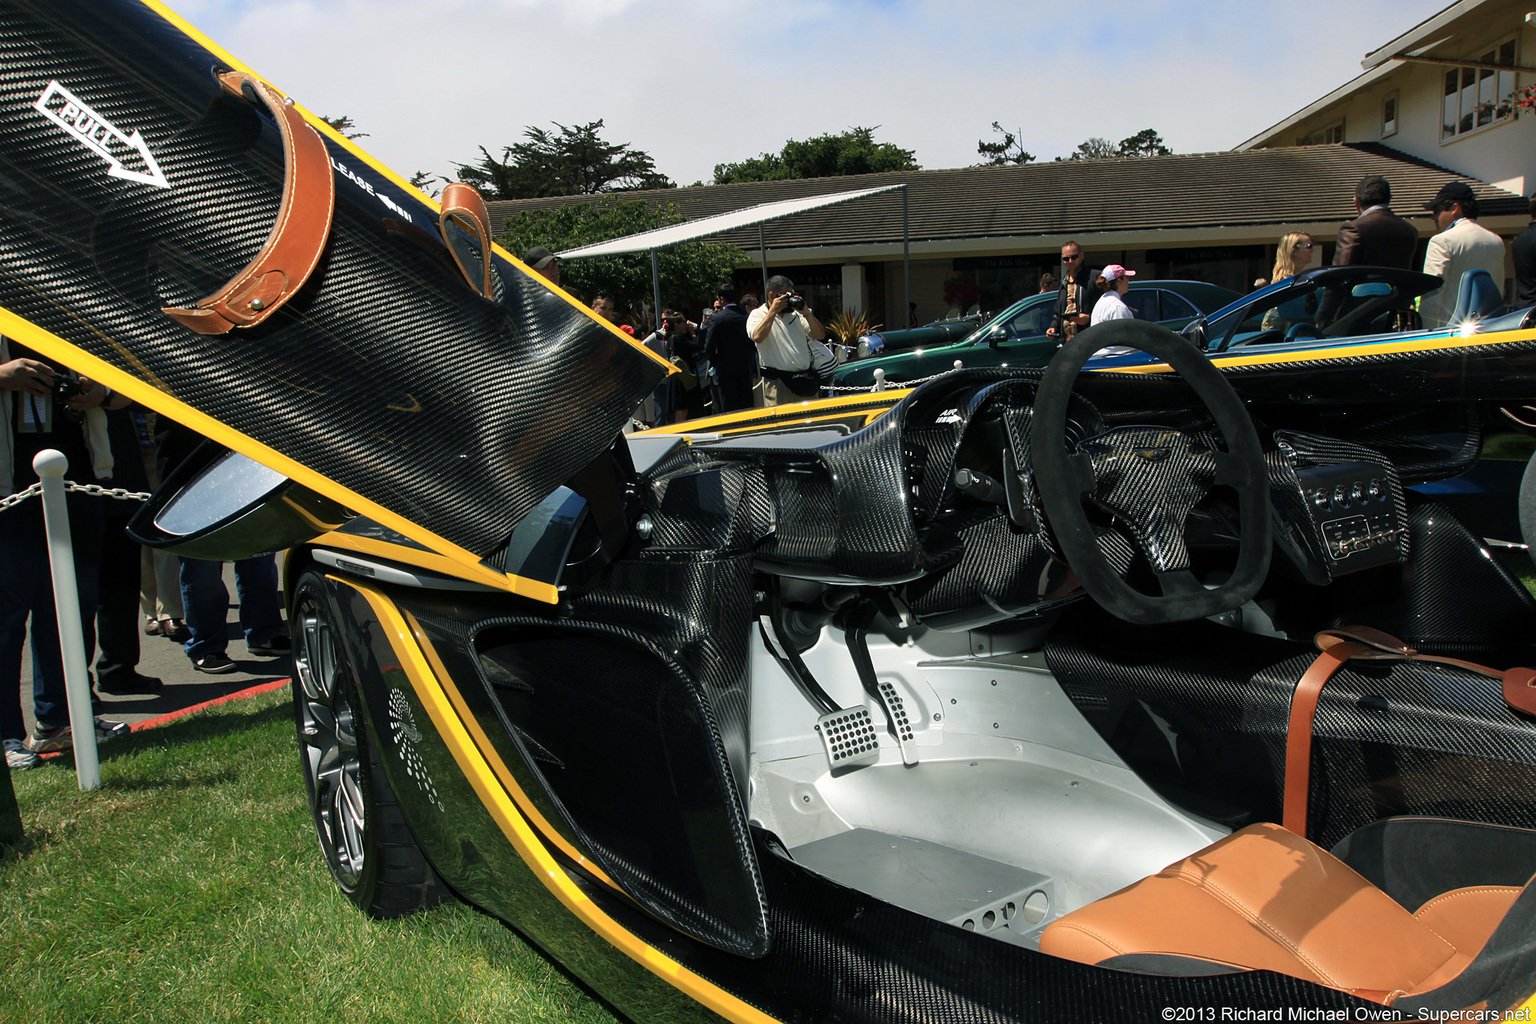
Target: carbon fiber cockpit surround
(387,373)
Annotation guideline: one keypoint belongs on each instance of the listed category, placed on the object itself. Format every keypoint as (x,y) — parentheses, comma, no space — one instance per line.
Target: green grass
(190,888)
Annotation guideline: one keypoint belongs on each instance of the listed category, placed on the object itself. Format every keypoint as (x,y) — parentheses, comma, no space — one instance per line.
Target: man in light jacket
(1461,245)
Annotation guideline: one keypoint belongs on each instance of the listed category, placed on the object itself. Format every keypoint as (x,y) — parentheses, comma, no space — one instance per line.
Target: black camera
(796,302)
(65,387)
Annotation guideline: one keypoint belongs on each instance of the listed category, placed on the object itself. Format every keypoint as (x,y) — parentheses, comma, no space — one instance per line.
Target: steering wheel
(1151,479)
(1303,329)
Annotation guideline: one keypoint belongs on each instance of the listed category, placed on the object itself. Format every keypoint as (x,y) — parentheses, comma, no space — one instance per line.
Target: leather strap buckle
(298,236)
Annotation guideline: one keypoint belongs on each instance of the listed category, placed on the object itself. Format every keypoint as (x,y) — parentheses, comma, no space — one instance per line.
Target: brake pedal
(849,737)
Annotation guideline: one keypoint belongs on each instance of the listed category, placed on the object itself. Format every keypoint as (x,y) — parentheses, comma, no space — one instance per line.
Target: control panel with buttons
(1355,511)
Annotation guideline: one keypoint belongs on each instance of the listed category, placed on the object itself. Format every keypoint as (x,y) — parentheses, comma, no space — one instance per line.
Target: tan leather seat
(1265,898)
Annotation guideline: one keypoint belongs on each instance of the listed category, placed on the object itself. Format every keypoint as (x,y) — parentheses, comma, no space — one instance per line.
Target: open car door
(174,227)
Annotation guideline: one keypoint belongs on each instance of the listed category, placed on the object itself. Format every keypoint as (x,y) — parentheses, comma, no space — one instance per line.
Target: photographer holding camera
(679,341)
(782,328)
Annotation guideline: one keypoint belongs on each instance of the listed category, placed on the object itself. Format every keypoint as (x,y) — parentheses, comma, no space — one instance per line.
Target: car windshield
(1027,318)
(1333,303)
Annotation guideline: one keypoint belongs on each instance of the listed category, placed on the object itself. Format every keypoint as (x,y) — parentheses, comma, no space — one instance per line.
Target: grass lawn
(190,888)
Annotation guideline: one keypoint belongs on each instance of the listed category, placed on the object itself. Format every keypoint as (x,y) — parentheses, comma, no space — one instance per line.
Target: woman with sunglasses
(1292,256)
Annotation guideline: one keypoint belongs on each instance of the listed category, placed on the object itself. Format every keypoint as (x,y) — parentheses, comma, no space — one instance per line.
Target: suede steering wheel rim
(1064,479)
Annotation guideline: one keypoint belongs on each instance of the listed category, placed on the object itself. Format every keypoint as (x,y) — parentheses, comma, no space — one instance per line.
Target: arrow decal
(96,134)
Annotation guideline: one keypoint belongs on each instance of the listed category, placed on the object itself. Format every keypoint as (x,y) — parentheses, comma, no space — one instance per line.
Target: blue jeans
(206,602)
(27,590)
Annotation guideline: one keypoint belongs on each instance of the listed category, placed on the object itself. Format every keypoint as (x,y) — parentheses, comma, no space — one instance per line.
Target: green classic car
(1016,336)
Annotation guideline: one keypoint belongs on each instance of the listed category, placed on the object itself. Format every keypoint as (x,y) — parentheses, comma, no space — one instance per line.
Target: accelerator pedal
(883,691)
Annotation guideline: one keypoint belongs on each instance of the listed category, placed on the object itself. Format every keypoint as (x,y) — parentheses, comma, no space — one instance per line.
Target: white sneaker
(18,758)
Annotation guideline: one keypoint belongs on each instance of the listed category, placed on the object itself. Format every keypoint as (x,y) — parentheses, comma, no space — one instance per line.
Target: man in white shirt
(781,334)
(1462,245)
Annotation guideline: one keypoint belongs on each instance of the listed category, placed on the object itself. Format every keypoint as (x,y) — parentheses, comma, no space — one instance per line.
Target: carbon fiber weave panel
(386,374)
(1294,534)
(1398,739)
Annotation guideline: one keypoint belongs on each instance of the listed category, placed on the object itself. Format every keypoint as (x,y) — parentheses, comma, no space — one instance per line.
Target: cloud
(701,82)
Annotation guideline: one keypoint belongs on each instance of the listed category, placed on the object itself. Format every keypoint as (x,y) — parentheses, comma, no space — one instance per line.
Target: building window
(1328,133)
(1476,97)
(1389,116)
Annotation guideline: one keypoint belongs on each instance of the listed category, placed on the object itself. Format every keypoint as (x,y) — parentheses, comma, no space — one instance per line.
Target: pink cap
(1115,270)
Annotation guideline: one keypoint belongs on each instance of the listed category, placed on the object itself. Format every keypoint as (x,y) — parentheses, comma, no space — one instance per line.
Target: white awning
(661,238)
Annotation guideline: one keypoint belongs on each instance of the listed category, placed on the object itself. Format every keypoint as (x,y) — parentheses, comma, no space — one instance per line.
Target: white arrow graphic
(96,134)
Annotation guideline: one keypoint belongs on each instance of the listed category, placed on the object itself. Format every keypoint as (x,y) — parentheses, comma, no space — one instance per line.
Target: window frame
(1397,114)
(1470,77)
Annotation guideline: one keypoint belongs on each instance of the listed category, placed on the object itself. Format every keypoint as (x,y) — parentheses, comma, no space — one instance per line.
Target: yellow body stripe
(53,347)
(430,689)
(1347,351)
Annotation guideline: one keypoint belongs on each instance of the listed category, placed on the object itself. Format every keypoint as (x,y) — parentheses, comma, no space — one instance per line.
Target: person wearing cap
(1114,280)
(1112,284)
(1462,244)
(1524,251)
(1377,237)
(545,262)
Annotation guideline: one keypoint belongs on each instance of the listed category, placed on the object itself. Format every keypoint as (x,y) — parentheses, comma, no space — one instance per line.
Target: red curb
(171,716)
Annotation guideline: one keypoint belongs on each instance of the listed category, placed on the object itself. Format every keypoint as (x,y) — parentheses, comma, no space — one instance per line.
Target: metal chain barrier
(881,385)
(119,493)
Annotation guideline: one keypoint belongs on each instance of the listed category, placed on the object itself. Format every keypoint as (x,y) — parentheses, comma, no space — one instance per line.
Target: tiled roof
(1289,185)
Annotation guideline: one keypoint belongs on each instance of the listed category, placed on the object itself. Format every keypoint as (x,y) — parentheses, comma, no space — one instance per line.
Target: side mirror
(1195,332)
(996,335)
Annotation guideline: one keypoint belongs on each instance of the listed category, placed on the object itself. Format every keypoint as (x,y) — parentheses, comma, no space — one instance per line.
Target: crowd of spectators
(108,443)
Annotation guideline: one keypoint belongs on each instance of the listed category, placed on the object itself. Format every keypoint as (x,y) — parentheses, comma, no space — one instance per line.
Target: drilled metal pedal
(896,715)
(849,736)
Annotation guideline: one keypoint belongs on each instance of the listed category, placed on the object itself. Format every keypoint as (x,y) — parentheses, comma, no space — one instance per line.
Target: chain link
(20,496)
(892,385)
(120,493)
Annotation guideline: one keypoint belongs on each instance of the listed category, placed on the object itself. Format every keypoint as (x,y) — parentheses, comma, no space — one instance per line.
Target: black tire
(363,835)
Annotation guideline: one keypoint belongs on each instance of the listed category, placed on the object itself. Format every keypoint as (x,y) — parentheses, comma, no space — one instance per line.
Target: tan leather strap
(298,235)
(463,206)
(1338,646)
(1298,736)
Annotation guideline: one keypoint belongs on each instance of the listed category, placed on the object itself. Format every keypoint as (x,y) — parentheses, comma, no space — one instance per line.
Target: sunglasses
(1303,245)
(1069,259)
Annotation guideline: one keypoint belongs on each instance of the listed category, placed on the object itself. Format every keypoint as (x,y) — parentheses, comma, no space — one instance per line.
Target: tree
(1007,151)
(855,151)
(689,272)
(576,161)
(1144,143)
(1095,149)
(344,127)
(425,181)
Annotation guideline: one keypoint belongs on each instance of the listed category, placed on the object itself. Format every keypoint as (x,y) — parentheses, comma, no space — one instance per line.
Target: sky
(695,83)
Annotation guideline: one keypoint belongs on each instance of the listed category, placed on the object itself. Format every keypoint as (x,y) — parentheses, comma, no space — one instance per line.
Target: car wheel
(367,845)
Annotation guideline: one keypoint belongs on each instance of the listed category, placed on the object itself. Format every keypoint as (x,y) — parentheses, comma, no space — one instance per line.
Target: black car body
(840,711)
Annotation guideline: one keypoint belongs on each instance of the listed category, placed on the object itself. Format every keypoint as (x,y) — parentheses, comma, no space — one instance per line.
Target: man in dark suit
(1377,237)
(731,353)
(1525,262)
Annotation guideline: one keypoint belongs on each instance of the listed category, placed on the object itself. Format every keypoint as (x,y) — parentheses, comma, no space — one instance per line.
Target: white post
(958,364)
(50,466)
(879,379)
